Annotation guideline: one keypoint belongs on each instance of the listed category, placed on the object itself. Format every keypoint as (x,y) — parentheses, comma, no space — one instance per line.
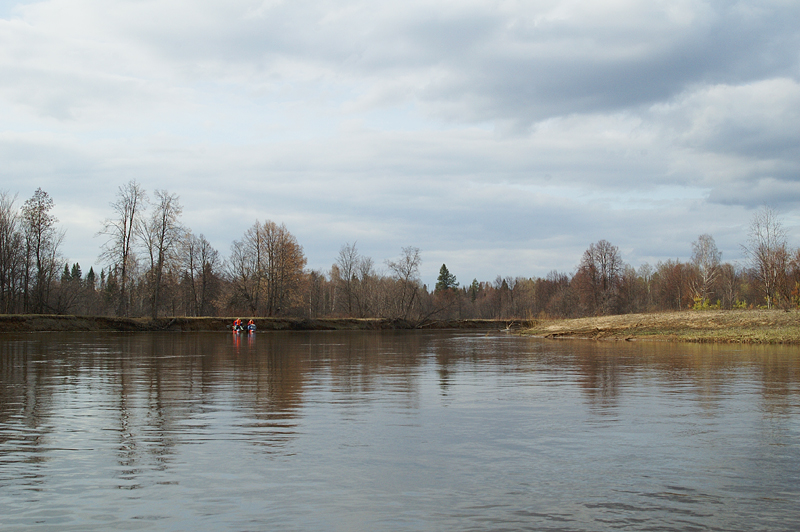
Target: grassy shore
(727,326)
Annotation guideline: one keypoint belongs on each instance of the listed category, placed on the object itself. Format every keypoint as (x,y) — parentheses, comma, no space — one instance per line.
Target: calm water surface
(394,431)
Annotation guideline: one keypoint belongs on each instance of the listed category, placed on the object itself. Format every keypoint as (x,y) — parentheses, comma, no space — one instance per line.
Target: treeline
(153,265)
(604,284)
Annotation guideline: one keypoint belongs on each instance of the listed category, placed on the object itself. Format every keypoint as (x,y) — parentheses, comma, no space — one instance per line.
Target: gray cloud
(468,62)
(507,136)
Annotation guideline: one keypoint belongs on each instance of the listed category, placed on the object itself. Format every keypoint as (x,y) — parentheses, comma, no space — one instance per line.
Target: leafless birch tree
(706,259)
(161,236)
(42,242)
(121,231)
(767,252)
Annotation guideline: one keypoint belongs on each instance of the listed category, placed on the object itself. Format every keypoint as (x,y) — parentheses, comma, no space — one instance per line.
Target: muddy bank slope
(40,323)
(730,326)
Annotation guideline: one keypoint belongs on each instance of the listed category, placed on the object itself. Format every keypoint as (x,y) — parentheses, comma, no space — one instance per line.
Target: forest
(155,266)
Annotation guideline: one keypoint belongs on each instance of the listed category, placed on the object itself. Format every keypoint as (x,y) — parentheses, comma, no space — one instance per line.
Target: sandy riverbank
(729,326)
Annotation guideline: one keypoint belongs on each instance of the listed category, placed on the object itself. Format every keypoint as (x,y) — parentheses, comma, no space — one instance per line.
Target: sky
(498,137)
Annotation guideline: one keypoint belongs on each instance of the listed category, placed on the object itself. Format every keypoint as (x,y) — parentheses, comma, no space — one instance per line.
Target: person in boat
(251,326)
(237,324)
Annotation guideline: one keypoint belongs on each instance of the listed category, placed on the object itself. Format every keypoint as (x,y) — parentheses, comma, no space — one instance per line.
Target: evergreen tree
(91,279)
(474,288)
(76,272)
(446,280)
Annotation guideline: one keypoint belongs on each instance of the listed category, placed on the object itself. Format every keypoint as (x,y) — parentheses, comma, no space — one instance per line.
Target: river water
(396,431)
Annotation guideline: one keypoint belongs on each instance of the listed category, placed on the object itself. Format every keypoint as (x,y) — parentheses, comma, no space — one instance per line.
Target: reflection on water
(394,431)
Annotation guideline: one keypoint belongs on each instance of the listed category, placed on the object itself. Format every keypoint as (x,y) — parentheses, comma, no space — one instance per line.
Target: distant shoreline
(51,323)
(709,326)
(717,326)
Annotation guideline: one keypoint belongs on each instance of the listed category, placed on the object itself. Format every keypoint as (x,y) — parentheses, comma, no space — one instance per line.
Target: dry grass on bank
(731,326)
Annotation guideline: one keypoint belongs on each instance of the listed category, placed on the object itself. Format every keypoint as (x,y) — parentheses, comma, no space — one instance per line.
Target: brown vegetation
(731,326)
(55,323)
(156,267)
(727,326)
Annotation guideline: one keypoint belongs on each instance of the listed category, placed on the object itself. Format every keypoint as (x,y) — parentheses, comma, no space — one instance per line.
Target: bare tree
(357,283)
(285,268)
(121,231)
(365,289)
(161,236)
(42,242)
(405,271)
(632,293)
(12,255)
(645,274)
(729,279)
(244,270)
(319,294)
(201,262)
(599,276)
(767,252)
(267,269)
(706,258)
(347,266)
(671,285)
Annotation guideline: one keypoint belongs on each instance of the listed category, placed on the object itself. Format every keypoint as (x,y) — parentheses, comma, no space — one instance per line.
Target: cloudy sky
(499,137)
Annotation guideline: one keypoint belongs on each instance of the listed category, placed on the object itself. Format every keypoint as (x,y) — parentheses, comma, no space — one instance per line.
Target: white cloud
(740,139)
(525,129)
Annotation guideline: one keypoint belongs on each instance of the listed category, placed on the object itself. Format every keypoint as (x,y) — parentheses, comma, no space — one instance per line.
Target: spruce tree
(446,280)
(76,274)
(474,288)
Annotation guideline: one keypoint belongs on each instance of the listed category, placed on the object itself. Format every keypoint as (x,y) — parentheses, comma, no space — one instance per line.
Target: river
(395,431)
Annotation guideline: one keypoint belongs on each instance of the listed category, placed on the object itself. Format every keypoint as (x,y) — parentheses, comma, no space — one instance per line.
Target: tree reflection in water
(195,424)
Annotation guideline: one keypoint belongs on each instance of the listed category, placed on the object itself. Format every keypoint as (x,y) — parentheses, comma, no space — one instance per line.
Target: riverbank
(720,326)
(46,323)
(726,326)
